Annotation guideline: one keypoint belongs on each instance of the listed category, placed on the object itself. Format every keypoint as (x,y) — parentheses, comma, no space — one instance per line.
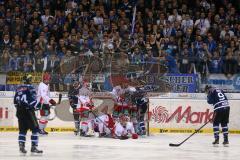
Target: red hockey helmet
(46,77)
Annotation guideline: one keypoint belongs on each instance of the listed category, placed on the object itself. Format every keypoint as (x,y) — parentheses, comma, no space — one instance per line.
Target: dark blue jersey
(73,96)
(25,96)
(218,99)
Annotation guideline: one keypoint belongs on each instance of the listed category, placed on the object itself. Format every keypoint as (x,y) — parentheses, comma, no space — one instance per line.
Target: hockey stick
(196,131)
(59,98)
(96,116)
(59,102)
(148,120)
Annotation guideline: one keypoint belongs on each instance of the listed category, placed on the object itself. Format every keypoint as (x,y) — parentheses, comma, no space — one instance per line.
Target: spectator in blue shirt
(171,62)
(215,63)
(14,62)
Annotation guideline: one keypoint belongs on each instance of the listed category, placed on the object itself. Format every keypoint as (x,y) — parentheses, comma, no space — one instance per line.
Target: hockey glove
(38,106)
(134,136)
(52,102)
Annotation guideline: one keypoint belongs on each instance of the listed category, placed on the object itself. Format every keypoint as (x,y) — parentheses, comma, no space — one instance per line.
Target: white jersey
(43,93)
(121,131)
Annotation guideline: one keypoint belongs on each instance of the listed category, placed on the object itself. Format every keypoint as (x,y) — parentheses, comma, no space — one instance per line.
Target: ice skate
(102,135)
(216,142)
(90,133)
(35,150)
(225,142)
(76,132)
(82,133)
(43,132)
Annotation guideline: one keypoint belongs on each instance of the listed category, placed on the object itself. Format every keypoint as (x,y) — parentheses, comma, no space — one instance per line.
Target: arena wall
(168,113)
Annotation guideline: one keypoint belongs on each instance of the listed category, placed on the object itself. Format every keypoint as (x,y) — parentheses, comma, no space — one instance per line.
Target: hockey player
(142,104)
(45,100)
(73,100)
(122,102)
(25,102)
(218,99)
(105,124)
(124,128)
(85,105)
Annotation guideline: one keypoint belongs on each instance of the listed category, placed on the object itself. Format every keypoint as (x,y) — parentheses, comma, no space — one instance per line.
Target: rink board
(168,113)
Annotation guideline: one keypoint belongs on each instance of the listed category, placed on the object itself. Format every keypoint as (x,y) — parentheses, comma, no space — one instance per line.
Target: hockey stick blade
(196,131)
(174,145)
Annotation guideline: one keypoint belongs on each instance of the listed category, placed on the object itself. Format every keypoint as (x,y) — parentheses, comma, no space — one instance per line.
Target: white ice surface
(66,146)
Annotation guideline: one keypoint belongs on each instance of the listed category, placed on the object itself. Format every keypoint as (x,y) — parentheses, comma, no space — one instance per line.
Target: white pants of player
(102,122)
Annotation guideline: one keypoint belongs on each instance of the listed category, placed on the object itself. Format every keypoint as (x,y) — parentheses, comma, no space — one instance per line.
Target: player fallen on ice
(25,102)
(43,95)
(85,105)
(104,123)
(73,100)
(218,99)
(124,129)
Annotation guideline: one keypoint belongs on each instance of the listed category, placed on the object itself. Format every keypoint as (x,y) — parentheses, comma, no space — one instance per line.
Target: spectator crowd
(62,36)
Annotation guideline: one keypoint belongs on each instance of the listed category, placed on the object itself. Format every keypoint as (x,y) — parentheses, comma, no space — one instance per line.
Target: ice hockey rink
(66,146)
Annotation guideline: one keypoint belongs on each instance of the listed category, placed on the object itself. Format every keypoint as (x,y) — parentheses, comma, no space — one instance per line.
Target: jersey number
(221,96)
(22,98)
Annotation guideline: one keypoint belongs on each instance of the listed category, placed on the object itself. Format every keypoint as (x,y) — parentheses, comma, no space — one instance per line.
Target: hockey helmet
(27,79)
(75,83)
(46,77)
(207,88)
(123,118)
(86,84)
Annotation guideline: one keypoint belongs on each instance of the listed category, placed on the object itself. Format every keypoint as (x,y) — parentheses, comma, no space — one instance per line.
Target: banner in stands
(2,78)
(183,82)
(16,77)
(229,84)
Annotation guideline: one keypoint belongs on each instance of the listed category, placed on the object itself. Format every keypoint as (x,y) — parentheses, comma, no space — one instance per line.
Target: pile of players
(125,121)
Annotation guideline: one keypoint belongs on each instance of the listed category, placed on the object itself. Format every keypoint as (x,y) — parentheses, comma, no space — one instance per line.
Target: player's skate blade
(226,144)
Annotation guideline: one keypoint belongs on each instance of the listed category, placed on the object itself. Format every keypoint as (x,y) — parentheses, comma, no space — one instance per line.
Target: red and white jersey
(84,98)
(43,93)
(84,101)
(123,131)
(118,92)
